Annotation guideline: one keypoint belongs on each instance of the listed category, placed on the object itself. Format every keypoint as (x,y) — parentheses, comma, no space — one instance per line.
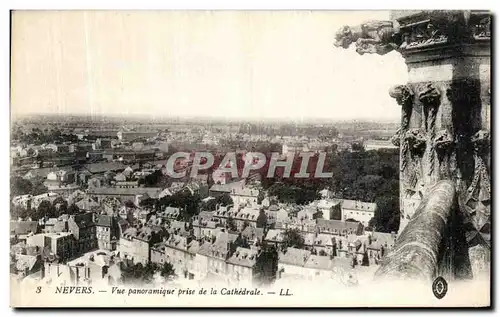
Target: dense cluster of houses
(224,244)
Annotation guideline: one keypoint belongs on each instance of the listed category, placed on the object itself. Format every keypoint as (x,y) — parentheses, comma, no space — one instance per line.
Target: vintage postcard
(250,159)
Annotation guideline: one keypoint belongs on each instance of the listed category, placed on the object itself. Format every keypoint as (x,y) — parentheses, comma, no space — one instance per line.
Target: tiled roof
(380,239)
(309,238)
(177,242)
(227,188)
(87,203)
(146,233)
(336,226)
(171,212)
(153,192)
(25,262)
(193,247)
(130,233)
(327,203)
(250,214)
(358,205)
(274,235)
(226,212)
(23,227)
(43,172)
(105,167)
(323,240)
(104,221)
(243,257)
(253,233)
(319,262)
(218,249)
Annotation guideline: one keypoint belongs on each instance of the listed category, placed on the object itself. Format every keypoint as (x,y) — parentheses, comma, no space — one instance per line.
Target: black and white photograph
(250,158)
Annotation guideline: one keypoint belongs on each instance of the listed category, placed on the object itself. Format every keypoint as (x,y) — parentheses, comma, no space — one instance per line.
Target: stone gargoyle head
(443,141)
(416,140)
(344,37)
(429,95)
(481,140)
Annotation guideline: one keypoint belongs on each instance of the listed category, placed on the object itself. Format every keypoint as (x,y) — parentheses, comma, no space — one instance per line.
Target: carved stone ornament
(416,141)
(482,29)
(429,95)
(481,141)
(443,142)
(480,188)
(402,93)
(421,30)
(396,138)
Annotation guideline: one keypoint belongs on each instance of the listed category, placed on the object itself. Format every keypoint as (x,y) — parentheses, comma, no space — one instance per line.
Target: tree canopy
(387,215)
(292,238)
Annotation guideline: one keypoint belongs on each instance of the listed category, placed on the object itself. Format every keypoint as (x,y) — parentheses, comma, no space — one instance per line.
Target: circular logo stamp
(439,287)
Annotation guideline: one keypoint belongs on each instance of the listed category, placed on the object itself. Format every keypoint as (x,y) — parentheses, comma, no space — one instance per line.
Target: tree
(46,210)
(318,214)
(129,204)
(224,200)
(365,261)
(38,186)
(337,214)
(73,210)
(187,202)
(167,270)
(357,147)
(266,264)
(240,241)
(60,205)
(387,215)
(137,273)
(334,247)
(19,186)
(292,239)
(153,179)
(17,212)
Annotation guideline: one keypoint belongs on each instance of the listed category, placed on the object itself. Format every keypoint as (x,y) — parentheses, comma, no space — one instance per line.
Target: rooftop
(358,205)
(293,256)
(243,257)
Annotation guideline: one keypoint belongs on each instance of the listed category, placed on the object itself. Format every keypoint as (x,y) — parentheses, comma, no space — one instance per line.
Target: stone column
(445,121)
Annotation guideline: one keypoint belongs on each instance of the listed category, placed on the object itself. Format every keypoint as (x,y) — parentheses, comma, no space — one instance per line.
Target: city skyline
(252,65)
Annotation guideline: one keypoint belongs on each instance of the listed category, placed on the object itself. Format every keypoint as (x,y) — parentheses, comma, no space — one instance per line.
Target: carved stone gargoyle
(374,37)
(429,95)
(416,141)
(443,143)
(396,138)
(481,141)
(480,187)
(402,94)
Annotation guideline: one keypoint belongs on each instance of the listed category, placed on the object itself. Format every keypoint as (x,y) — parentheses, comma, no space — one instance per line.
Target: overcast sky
(223,64)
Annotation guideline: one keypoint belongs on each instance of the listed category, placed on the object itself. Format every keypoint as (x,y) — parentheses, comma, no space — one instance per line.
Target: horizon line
(203,117)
